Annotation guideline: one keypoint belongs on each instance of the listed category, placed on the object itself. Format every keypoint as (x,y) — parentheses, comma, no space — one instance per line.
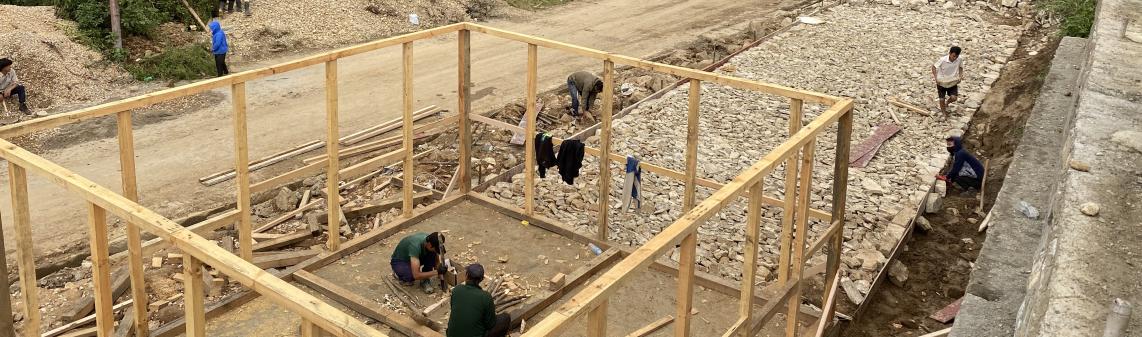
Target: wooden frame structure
(796,153)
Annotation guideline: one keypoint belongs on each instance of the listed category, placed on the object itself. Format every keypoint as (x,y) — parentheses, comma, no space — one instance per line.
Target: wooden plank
(909,107)
(284,259)
(939,333)
(100,269)
(81,322)
(126,138)
(380,206)
(310,330)
(85,332)
(752,234)
(737,327)
(830,301)
(25,258)
(464,106)
(772,307)
(652,327)
(529,166)
(193,296)
(242,168)
(391,125)
(280,292)
(605,149)
(840,193)
(288,177)
(86,305)
(692,115)
(576,278)
(419,133)
(285,217)
(364,306)
(333,196)
(796,114)
(685,298)
(263,162)
(948,312)
(797,263)
(201,228)
(834,228)
(178,326)
(127,325)
(283,241)
(597,320)
(409,161)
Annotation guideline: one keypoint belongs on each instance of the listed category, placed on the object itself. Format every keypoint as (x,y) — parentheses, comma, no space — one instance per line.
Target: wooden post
(7,326)
(840,194)
(193,295)
(749,270)
(409,161)
(126,137)
(692,144)
(18,181)
(464,102)
(795,114)
(597,321)
(529,134)
(685,298)
(802,218)
(116,31)
(100,270)
(308,329)
(242,168)
(605,148)
(333,179)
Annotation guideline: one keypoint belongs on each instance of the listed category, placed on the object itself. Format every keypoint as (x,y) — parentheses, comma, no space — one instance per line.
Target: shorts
(953,91)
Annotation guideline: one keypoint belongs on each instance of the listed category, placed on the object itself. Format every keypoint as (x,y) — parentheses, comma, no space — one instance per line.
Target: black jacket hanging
(570,160)
(544,153)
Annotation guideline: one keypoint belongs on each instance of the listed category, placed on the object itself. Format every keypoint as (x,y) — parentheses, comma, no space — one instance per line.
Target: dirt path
(288,109)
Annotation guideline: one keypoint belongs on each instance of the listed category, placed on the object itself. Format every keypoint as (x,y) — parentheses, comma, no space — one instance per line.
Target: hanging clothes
(632,184)
(544,153)
(570,160)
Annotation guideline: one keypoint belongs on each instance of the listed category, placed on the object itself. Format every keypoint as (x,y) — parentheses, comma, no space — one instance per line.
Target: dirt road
(288,109)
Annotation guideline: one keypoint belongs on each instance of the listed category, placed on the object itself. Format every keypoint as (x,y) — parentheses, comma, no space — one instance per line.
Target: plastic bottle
(594,249)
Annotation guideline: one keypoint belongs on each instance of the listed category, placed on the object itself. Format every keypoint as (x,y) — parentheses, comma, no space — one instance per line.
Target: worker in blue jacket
(968,176)
(219,47)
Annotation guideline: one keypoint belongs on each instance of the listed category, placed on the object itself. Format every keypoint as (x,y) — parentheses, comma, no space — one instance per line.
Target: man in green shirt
(473,311)
(416,258)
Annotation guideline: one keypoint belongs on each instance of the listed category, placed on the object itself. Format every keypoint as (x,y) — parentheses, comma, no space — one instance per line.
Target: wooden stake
(605,148)
(334,162)
(464,80)
(409,161)
(25,258)
(529,135)
(983,186)
(194,296)
(692,144)
(134,238)
(242,168)
(685,298)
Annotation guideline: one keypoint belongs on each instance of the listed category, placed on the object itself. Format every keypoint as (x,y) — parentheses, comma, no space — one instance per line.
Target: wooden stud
(789,202)
(652,327)
(7,326)
(798,257)
(597,321)
(464,101)
(686,263)
(332,172)
(25,258)
(752,230)
(100,270)
(126,136)
(840,194)
(194,295)
(529,166)
(242,167)
(692,144)
(309,330)
(605,148)
(409,161)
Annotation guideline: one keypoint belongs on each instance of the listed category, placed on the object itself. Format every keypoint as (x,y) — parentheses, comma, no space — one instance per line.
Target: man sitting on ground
(473,311)
(11,86)
(966,177)
(417,257)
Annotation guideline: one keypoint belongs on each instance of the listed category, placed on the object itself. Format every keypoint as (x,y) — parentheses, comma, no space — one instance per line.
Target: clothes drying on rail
(570,160)
(544,153)
(632,184)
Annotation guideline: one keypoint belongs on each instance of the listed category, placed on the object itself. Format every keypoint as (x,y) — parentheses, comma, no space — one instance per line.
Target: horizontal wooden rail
(250,276)
(660,170)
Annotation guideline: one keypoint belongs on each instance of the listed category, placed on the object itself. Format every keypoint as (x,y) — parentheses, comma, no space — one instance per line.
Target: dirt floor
(939,262)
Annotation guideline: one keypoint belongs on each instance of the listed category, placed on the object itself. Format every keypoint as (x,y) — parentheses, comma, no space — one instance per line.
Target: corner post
(409,161)
(840,194)
(529,134)
(333,174)
(798,256)
(134,238)
(749,271)
(193,296)
(242,168)
(25,258)
(100,270)
(685,298)
(605,148)
(464,102)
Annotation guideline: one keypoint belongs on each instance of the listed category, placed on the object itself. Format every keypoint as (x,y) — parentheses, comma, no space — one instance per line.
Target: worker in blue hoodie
(968,176)
(219,47)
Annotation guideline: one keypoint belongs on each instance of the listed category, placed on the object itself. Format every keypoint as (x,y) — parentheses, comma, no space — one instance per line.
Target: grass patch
(1078,16)
(532,4)
(188,62)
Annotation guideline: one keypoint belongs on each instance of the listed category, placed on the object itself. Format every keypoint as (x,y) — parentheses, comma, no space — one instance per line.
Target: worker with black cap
(416,257)
(473,311)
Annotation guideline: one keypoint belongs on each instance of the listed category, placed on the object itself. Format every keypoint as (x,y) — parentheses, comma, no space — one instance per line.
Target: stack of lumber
(504,294)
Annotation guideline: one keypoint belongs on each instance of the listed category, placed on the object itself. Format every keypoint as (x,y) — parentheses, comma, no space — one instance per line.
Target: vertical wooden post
(685,298)
(749,270)
(795,114)
(100,270)
(134,237)
(193,296)
(7,326)
(333,176)
(409,161)
(464,102)
(597,320)
(802,217)
(242,168)
(21,215)
(529,134)
(692,145)
(840,194)
(605,148)
(308,329)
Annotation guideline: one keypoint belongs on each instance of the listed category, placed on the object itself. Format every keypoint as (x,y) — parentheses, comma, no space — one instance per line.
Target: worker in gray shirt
(583,84)
(11,86)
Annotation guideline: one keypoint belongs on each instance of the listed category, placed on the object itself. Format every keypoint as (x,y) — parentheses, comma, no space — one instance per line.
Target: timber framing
(588,290)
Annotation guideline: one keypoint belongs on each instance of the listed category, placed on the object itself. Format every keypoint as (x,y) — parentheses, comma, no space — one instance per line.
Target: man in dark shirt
(473,311)
(966,171)
(416,257)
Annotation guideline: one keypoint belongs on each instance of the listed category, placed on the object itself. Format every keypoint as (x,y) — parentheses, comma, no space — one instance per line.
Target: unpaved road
(288,109)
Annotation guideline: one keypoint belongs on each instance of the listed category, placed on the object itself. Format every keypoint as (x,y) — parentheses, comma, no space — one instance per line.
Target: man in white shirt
(10,85)
(947,72)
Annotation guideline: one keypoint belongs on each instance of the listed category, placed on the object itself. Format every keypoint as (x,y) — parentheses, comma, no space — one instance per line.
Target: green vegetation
(181,63)
(1078,16)
(532,4)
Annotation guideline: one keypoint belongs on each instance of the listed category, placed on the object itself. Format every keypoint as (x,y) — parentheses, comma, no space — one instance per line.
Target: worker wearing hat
(416,258)
(473,311)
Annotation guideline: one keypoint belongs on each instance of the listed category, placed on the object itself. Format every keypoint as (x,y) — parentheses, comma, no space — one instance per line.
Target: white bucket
(414,19)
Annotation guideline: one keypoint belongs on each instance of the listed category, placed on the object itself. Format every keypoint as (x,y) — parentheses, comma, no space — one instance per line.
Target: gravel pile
(867,52)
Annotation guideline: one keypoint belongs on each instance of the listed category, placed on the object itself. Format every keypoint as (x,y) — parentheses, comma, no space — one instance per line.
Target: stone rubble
(864,51)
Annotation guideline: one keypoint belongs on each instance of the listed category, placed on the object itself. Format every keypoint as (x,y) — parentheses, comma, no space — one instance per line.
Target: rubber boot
(24,108)
(246,5)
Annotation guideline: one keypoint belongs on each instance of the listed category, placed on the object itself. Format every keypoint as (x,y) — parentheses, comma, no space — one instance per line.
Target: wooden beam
(334,163)
(193,296)
(178,326)
(126,137)
(373,164)
(127,325)
(285,259)
(939,333)
(364,306)
(379,206)
(283,241)
(200,228)
(576,278)
(798,257)
(749,268)
(840,194)
(25,257)
(409,161)
(830,301)
(85,332)
(464,106)
(605,148)
(81,322)
(788,207)
(835,227)
(529,165)
(310,330)
(692,116)
(597,320)
(242,167)
(86,305)
(7,326)
(652,327)
(100,270)
(264,162)
(288,177)
(285,217)
(685,298)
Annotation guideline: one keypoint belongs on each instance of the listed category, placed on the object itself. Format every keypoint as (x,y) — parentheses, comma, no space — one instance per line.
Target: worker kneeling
(473,311)
(416,259)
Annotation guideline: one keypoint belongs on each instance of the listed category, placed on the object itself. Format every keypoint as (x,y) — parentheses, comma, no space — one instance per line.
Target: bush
(183,63)
(1078,16)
